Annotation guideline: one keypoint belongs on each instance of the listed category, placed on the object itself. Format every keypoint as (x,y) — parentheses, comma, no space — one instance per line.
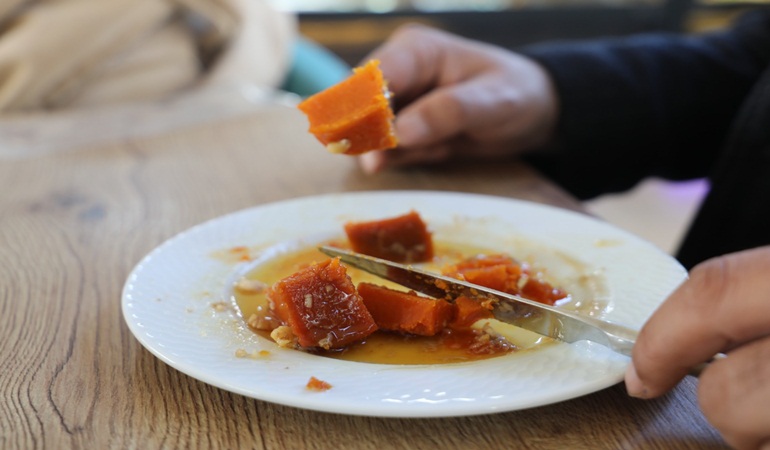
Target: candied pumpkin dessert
(403,239)
(320,307)
(353,116)
(505,274)
(468,311)
(405,312)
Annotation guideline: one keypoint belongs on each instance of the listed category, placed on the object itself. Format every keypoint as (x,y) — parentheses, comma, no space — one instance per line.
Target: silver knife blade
(513,309)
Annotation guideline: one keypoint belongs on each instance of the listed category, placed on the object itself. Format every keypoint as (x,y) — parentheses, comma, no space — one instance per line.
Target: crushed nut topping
(248,286)
(338,147)
(284,337)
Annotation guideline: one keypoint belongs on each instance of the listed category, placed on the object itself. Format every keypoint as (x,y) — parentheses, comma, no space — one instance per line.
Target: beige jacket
(69,54)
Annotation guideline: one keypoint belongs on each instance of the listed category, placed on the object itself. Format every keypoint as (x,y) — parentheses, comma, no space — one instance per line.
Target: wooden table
(73,223)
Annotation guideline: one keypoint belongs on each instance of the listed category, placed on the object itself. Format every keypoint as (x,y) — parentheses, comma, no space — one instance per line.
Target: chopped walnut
(248,286)
(338,147)
(489,303)
(262,321)
(326,343)
(487,341)
(284,337)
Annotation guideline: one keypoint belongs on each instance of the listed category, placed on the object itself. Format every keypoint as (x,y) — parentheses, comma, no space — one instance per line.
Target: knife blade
(513,309)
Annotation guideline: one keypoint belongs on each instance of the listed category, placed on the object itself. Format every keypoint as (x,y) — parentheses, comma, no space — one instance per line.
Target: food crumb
(220,306)
(284,337)
(261,321)
(314,384)
(241,253)
(241,353)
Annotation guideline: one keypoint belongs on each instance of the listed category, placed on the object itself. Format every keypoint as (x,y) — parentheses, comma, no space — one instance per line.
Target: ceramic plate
(176,302)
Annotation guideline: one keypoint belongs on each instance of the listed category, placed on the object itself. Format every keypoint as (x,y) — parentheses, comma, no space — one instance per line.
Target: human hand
(724,307)
(459,98)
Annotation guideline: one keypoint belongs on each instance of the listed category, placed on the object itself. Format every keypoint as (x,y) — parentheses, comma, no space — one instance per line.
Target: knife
(513,309)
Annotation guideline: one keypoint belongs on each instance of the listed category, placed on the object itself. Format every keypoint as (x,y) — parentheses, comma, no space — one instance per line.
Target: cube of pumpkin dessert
(499,272)
(403,238)
(405,312)
(321,306)
(468,311)
(353,116)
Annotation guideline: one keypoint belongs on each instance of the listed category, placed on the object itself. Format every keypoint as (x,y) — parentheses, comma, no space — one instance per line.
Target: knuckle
(709,285)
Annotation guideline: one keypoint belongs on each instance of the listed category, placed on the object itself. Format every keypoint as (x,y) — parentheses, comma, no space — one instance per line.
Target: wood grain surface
(74,223)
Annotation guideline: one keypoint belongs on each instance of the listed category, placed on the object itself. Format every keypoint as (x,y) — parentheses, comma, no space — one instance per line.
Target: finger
(372,162)
(410,59)
(474,107)
(722,305)
(734,394)
(375,162)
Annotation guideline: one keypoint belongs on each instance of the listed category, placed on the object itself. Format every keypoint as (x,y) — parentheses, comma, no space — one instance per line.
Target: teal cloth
(314,68)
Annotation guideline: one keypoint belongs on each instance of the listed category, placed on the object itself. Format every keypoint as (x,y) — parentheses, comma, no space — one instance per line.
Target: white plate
(167,304)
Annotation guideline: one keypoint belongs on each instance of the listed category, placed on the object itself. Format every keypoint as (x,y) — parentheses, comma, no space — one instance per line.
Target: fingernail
(634,385)
(411,130)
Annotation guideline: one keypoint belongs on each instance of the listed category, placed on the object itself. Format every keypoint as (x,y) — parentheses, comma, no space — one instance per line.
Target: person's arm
(653,104)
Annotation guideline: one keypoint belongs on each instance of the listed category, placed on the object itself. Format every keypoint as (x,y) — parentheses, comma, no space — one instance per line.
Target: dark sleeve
(648,105)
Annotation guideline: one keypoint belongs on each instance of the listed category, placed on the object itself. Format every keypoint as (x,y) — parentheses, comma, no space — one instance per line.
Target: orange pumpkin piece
(405,312)
(468,311)
(353,116)
(503,273)
(493,277)
(321,306)
(541,291)
(401,239)
(499,272)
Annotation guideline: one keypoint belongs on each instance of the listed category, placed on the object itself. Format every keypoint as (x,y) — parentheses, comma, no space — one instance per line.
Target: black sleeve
(648,105)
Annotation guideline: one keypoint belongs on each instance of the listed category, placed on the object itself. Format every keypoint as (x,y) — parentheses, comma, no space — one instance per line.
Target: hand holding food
(455,98)
(723,307)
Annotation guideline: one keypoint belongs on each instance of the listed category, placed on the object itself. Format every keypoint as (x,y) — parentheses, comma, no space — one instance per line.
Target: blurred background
(656,210)
(351,28)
